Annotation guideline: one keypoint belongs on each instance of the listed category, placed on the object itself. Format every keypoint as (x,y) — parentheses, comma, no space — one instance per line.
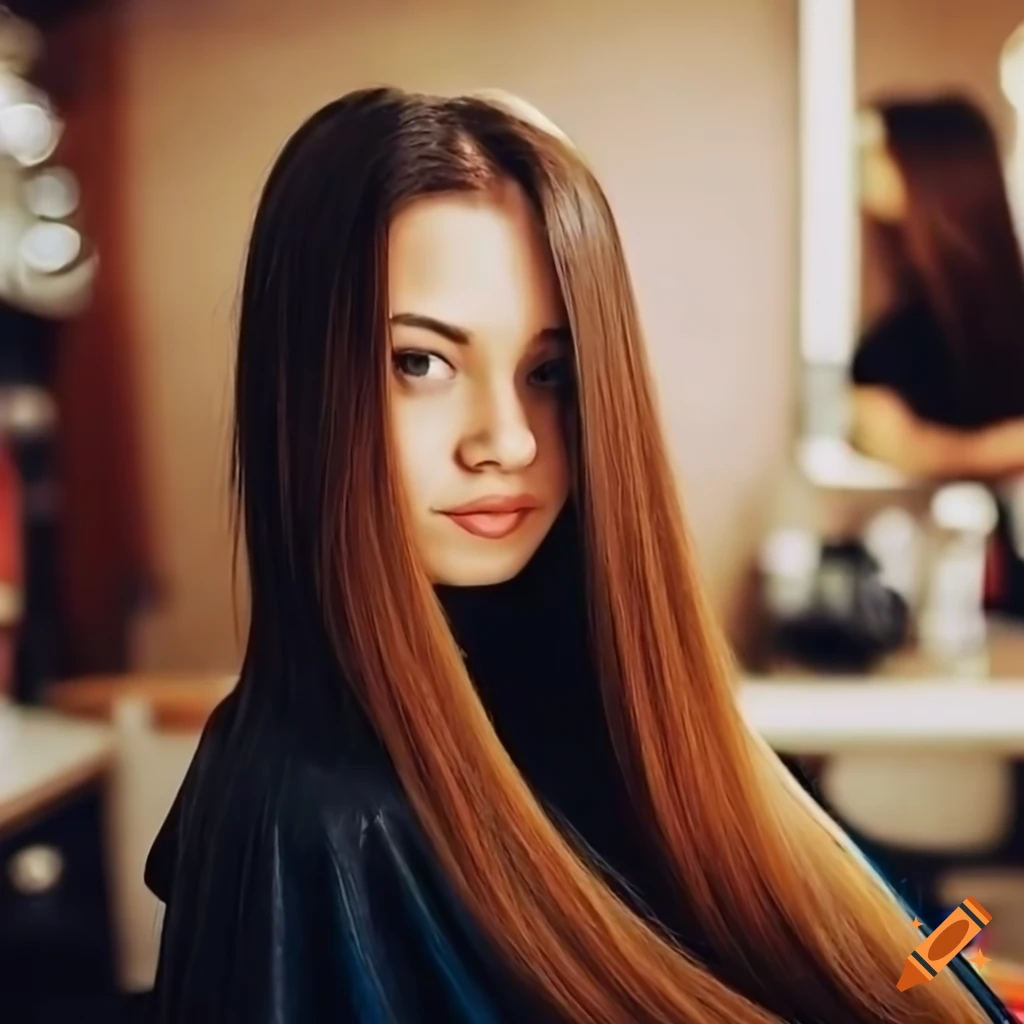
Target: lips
(492,525)
(493,517)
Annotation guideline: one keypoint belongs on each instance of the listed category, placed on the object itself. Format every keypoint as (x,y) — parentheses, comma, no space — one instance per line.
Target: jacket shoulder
(299,887)
(249,784)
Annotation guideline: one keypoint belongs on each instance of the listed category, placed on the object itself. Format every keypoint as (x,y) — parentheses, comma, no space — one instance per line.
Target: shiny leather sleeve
(298,892)
(296,896)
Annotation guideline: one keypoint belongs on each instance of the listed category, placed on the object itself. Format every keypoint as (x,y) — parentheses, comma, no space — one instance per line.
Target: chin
(480,570)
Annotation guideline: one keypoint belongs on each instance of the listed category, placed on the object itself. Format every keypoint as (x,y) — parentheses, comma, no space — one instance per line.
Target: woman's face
(882,189)
(481,376)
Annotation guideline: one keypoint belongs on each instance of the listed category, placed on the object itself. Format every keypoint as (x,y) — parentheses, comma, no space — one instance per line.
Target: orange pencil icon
(966,921)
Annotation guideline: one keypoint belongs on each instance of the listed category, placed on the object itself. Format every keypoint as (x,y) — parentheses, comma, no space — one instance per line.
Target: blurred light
(29,132)
(35,870)
(52,194)
(56,296)
(27,411)
(49,248)
(829,238)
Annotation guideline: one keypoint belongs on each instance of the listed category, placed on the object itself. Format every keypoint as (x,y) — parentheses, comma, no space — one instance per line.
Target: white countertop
(44,756)
(825,716)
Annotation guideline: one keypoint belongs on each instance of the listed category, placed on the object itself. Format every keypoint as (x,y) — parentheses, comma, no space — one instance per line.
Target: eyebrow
(460,336)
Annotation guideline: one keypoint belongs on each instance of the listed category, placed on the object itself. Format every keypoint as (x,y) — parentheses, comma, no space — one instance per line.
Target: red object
(995,575)
(11,566)
(10,521)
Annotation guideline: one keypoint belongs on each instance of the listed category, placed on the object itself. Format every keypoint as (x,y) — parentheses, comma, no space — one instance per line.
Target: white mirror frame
(829,248)
(1011,76)
(830,237)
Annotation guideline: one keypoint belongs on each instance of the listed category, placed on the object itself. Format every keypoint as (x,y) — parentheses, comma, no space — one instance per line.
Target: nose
(501,434)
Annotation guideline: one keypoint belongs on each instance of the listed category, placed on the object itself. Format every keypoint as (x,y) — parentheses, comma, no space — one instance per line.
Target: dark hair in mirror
(956,247)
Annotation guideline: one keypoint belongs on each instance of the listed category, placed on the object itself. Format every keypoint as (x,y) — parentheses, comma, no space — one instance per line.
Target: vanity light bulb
(52,194)
(49,248)
(28,132)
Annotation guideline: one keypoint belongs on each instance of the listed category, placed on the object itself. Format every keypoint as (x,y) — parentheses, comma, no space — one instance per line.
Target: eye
(555,373)
(419,365)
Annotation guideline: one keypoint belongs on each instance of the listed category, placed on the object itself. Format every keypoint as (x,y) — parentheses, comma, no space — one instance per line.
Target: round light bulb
(52,194)
(49,248)
(29,132)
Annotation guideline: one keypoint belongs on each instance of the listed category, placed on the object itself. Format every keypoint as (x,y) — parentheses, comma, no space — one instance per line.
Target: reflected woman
(939,376)
(484,762)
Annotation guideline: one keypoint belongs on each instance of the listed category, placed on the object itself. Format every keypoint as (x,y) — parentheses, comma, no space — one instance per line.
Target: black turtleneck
(526,647)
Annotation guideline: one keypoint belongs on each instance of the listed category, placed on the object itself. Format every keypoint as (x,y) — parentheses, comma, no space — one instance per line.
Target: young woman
(484,761)
(939,376)
(938,373)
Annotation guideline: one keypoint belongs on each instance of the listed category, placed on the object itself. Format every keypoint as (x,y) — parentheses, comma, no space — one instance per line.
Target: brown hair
(957,247)
(801,924)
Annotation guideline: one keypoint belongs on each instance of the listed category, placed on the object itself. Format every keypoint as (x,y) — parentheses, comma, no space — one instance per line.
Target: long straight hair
(803,929)
(957,247)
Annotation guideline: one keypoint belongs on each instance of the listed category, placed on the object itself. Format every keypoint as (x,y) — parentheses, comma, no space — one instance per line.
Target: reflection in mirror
(924,376)
(1011,76)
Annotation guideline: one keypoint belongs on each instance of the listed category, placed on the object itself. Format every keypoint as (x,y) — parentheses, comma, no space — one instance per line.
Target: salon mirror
(912,287)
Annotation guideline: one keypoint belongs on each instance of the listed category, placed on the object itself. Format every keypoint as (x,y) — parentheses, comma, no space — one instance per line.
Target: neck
(526,647)
(543,607)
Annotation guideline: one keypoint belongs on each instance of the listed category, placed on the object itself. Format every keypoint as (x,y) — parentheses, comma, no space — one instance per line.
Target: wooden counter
(171,703)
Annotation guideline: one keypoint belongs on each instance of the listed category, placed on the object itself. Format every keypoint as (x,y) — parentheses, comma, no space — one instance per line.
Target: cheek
(422,439)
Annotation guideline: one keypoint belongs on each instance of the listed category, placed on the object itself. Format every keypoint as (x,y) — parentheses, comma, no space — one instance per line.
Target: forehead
(476,259)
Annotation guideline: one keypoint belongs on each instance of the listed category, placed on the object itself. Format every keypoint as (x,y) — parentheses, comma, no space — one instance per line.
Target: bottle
(892,538)
(952,627)
(788,561)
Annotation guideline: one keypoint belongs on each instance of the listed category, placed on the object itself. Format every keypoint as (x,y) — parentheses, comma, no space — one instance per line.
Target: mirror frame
(829,249)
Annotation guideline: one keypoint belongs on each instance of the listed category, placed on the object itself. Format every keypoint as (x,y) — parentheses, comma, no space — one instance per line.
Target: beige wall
(925,46)
(687,109)
(922,45)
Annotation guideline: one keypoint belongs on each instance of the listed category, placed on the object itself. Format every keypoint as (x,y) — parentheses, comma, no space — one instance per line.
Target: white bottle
(893,539)
(952,626)
(789,559)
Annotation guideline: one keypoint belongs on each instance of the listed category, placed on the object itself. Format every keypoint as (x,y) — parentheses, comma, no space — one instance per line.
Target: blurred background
(820,201)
